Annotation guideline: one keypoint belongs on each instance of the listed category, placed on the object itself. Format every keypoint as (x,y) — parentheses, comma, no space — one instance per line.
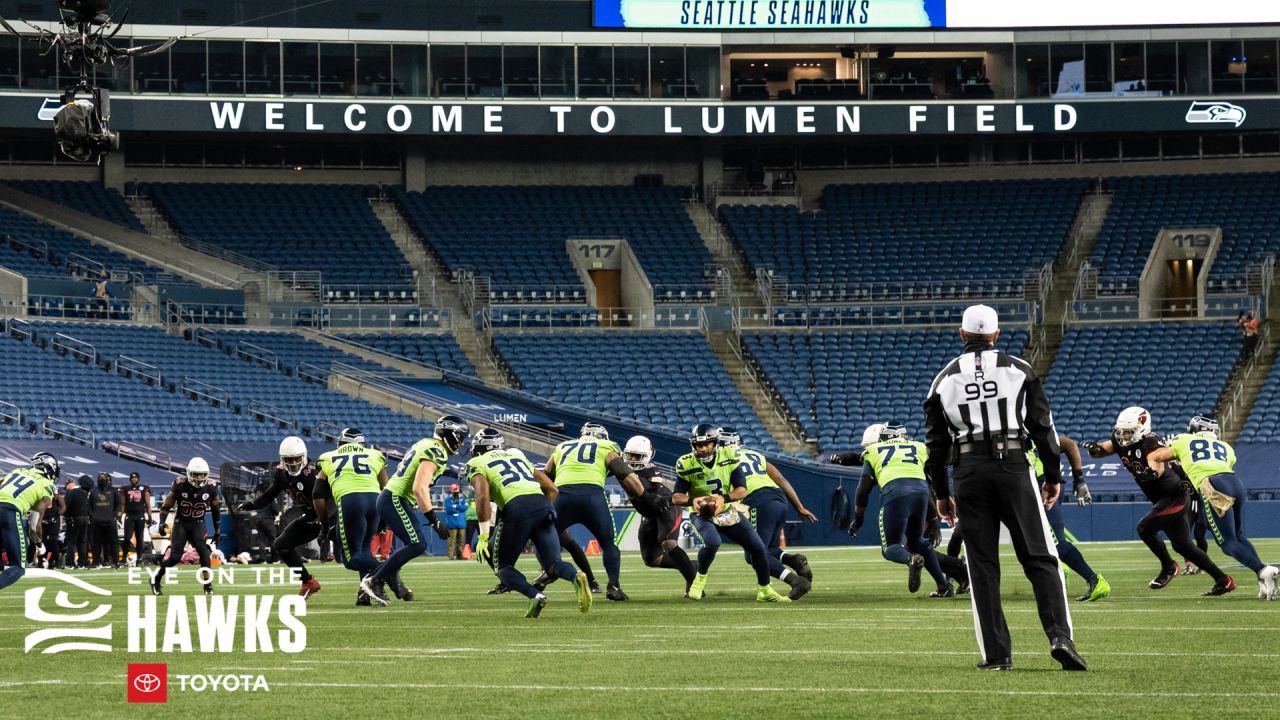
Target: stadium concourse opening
(504,321)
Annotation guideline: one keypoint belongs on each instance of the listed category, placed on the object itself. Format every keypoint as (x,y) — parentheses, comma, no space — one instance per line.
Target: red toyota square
(148,683)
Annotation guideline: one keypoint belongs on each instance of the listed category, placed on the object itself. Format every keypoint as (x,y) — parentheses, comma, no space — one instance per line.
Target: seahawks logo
(49,109)
(1216,112)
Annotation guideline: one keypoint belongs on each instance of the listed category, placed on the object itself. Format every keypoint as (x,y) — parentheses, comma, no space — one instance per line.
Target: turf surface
(858,646)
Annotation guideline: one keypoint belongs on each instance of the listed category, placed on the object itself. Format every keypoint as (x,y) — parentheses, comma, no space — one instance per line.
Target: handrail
(1233,405)
(322,429)
(95,267)
(21,329)
(143,452)
(311,372)
(15,416)
(206,337)
(46,428)
(134,366)
(202,247)
(379,352)
(268,411)
(203,390)
(266,357)
(90,355)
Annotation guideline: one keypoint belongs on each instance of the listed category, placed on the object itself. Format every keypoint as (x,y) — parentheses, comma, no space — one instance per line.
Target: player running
(701,479)
(660,521)
(895,462)
(579,468)
(1134,442)
(1210,464)
(295,477)
(25,490)
(524,496)
(410,487)
(768,493)
(194,498)
(351,477)
(1068,553)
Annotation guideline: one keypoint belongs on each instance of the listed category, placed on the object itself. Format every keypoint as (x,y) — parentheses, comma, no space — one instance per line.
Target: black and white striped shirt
(984,394)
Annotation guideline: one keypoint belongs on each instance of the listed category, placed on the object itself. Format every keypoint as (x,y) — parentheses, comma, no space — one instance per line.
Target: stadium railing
(879,314)
(60,429)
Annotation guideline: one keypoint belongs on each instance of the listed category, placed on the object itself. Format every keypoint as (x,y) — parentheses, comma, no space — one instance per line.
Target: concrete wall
(255,175)
(518,161)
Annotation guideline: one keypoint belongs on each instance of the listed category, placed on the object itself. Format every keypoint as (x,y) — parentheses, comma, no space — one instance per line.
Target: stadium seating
(1243,205)
(440,351)
(672,380)
(1175,370)
(87,197)
(836,383)
(37,249)
(290,353)
(325,228)
(905,241)
(1263,424)
(516,237)
(242,382)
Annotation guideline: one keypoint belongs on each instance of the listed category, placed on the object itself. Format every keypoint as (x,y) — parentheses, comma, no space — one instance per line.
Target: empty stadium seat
(87,197)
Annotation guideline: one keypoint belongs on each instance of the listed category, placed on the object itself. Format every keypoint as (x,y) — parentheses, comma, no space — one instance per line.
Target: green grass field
(858,646)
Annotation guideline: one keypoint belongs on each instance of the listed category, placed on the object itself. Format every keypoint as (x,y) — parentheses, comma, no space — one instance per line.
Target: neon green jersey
(1203,456)
(508,472)
(1033,457)
(701,480)
(896,460)
(352,469)
(425,450)
(754,468)
(471,511)
(583,461)
(24,488)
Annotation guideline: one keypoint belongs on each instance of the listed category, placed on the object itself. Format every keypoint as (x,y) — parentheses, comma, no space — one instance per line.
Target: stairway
(1066,268)
(436,289)
(1233,409)
(756,393)
(742,279)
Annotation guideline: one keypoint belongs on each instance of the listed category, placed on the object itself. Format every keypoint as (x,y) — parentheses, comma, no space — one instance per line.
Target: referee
(984,411)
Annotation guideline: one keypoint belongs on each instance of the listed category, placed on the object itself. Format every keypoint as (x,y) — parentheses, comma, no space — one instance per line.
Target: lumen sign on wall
(923,14)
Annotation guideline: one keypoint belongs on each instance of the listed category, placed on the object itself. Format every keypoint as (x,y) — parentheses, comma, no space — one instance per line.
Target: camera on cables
(82,125)
(92,12)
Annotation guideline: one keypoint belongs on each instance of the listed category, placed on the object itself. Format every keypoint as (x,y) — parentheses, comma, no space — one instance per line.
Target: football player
(295,477)
(579,468)
(896,463)
(136,500)
(524,496)
(194,497)
(768,494)
(1068,553)
(22,491)
(1210,464)
(659,532)
(1163,485)
(410,486)
(351,477)
(710,480)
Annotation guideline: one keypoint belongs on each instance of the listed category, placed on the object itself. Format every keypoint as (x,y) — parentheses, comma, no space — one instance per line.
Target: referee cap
(980,320)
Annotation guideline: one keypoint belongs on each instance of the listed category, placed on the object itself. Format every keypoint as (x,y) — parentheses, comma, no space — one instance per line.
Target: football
(706,507)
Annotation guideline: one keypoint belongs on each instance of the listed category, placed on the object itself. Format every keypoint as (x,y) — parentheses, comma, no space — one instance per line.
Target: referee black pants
(989,492)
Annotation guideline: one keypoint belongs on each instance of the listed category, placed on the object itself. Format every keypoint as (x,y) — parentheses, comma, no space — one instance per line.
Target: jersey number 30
(513,470)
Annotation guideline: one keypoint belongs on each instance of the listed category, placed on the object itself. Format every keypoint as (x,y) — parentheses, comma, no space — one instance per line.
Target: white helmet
(639,452)
(872,434)
(197,471)
(293,455)
(1133,424)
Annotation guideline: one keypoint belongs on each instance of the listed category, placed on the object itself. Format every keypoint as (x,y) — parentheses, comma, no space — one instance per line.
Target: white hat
(980,320)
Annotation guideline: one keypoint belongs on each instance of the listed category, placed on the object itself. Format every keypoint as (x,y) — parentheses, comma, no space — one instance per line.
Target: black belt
(997,447)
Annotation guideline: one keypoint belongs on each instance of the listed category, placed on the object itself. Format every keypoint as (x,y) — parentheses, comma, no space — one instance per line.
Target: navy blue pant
(1068,553)
(525,518)
(357,524)
(742,533)
(768,514)
(903,511)
(1228,530)
(13,540)
(585,504)
(408,524)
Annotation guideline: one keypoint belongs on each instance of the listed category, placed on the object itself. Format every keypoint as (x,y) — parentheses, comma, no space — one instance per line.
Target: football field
(858,646)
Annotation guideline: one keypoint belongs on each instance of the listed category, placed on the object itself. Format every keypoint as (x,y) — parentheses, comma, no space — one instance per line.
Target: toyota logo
(147,683)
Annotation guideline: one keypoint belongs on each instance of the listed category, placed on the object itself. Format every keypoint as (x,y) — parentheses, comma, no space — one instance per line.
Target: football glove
(933,533)
(216,536)
(482,549)
(1147,474)
(244,507)
(1081,491)
(440,529)
(854,527)
(1093,448)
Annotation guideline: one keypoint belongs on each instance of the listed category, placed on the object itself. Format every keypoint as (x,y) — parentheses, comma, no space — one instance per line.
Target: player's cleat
(208,589)
(1267,578)
(536,603)
(1191,569)
(1064,651)
(914,566)
(583,591)
(800,586)
(943,592)
(155,588)
(1262,590)
(595,586)
(800,564)
(309,588)
(698,587)
(398,589)
(1221,588)
(541,582)
(373,587)
(1098,590)
(767,594)
(615,593)
(1165,577)
(362,599)
(962,587)
(1000,664)
(498,589)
